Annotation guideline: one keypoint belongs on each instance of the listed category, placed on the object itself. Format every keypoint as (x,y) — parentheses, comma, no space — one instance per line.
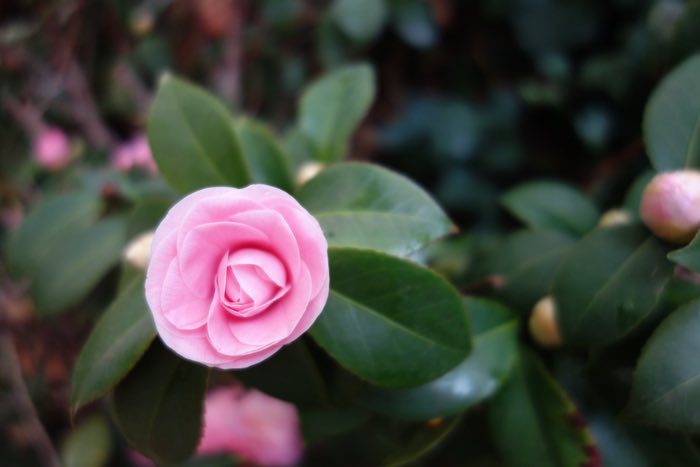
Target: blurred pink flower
(252,425)
(51,148)
(135,153)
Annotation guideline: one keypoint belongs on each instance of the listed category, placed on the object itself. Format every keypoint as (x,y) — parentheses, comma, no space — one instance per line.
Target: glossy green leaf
(146,215)
(116,343)
(533,422)
(623,445)
(47,226)
(331,109)
(75,266)
(633,197)
(526,261)
(666,386)
(193,140)
(472,381)
(672,119)
(263,154)
(291,375)
(88,445)
(366,206)
(391,321)
(688,256)
(158,406)
(552,205)
(609,283)
(361,20)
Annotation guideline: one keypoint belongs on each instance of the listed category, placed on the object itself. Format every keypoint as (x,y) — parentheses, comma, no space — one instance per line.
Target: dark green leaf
(527,262)
(552,205)
(158,406)
(47,226)
(413,21)
(361,20)
(366,206)
(391,321)
(193,140)
(317,424)
(75,266)
(331,108)
(672,119)
(666,386)
(608,284)
(533,422)
(633,197)
(268,164)
(472,381)
(291,375)
(688,256)
(88,445)
(146,215)
(116,343)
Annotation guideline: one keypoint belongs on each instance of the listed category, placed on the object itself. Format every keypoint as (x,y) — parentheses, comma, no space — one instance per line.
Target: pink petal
(204,246)
(183,309)
(279,320)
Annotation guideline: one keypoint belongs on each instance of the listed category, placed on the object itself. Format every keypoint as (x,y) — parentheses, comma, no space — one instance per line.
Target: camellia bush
(267,294)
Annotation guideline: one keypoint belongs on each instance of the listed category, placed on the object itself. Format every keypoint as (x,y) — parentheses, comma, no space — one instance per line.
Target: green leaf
(608,284)
(552,205)
(472,381)
(116,343)
(391,321)
(331,109)
(88,445)
(47,226)
(633,197)
(366,206)
(533,422)
(75,266)
(689,255)
(666,385)
(413,21)
(527,261)
(291,375)
(672,119)
(193,140)
(361,20)
(146,215)
(263,154)
(158,406)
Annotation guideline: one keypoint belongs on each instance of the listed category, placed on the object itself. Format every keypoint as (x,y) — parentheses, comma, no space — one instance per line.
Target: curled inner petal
(249,280)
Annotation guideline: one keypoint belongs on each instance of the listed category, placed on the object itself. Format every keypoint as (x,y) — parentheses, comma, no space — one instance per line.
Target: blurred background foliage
(473,98)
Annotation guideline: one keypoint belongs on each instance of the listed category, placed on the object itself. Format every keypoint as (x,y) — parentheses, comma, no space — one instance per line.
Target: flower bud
(614,217)
(308,171)
(543,323)
(52,149)
(138,251)
(670,205)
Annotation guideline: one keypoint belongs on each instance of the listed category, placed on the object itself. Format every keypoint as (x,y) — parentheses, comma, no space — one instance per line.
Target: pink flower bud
(52,149)
(251,425)
(670,205)
(135,153)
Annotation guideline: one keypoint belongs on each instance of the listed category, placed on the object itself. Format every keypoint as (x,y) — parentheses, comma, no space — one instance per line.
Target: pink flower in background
(135,153)
(670,205)
(235,274)
(51,148)
(252,425)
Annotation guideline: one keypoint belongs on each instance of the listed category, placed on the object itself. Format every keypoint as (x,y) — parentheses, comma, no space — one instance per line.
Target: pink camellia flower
(670,205)
(52,149)
(135,153)
(251,425)
(235,274)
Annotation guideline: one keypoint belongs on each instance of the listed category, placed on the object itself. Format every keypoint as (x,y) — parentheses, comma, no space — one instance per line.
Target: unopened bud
(670,205)
(614,217)
(308,171)
(543,323)
(138,251)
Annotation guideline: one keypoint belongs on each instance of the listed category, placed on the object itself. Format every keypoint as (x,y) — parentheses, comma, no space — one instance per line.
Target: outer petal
(182,308)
